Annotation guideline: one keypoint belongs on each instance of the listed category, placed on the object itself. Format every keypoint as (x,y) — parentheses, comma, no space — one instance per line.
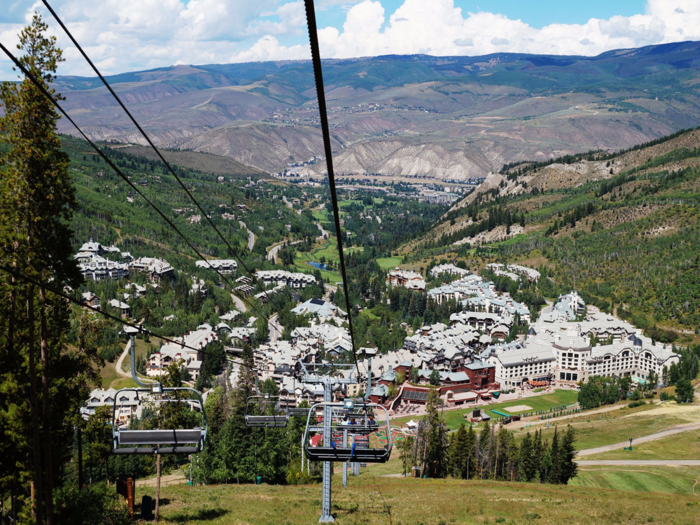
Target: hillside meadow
(395,501)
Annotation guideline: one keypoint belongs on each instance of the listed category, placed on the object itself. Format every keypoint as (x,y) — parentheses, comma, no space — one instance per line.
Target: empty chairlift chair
(343,415)
(154,397)
(266,411)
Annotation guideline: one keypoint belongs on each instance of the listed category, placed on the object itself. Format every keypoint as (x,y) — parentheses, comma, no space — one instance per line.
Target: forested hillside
(624,230)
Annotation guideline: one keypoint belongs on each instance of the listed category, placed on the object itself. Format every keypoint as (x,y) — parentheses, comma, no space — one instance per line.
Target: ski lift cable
(110,316)
(148,139)
(58,106)
(320,95)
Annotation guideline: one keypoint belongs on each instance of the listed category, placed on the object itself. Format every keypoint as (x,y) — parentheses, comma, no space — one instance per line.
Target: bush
(635,404)
(664,396)
(296,476)
(94,505)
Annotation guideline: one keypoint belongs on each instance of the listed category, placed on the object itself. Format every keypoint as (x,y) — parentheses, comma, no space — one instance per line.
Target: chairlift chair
(158,441)
(270,413)
(341,413)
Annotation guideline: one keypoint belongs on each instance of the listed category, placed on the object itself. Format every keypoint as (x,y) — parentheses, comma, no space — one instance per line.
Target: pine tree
(40,377)
(567,457)
(432,439)
(555,471)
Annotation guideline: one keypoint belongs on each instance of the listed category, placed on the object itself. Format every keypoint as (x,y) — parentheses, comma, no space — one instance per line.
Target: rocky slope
(449,118)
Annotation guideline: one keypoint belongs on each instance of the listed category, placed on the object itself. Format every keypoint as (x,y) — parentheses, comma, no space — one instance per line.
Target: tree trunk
(34,403)
(47,408)
(157,486)
(80,458)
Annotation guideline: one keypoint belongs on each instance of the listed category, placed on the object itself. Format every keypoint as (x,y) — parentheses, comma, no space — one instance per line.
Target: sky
(134,35)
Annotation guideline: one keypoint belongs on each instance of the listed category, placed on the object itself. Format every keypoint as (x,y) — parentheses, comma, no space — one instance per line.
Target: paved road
(641,462)
(240,305)
(275,328)
(251,236)
(644,439)
(275,249)
(324,233)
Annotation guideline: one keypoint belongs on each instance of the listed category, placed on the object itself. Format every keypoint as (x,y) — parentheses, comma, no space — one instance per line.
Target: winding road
(324,233)
(274,249)
(251,236)
(240,305)
(275,328)
(120,362)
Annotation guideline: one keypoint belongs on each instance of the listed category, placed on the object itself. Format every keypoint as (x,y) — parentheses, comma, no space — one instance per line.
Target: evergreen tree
(684,391)
(555,470)
(43,382)
(567,457)
(431,442)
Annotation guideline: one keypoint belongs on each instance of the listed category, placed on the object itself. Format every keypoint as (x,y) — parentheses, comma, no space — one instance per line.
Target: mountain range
(441,117)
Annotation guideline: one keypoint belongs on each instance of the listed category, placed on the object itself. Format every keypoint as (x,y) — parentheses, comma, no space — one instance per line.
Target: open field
(454,418)
(379,500)
(389,263)
(673,480)
(685,445)
(327,249)
(617,426)
(110,378)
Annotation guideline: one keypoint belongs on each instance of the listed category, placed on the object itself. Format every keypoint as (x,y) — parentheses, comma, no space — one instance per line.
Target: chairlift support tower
(328,381)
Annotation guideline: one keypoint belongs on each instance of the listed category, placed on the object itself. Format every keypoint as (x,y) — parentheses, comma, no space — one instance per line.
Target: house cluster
(322,312)
(561,349)
(156,269)
(450,269)
(93,265)
(187,350)
(514,271)
(282,277)
(479,295)
(568,307)
(223,266)
(128,404)
(406,278)
(462,378)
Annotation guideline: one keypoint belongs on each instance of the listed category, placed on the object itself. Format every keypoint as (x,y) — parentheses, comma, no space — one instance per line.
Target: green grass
(454,418)
(596,430)
(110,378)
(679,446)
(320,215)
(671,480)
(389,263)
(377,500)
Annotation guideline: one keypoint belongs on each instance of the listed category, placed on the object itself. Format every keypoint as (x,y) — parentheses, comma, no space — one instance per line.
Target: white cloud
(439,28)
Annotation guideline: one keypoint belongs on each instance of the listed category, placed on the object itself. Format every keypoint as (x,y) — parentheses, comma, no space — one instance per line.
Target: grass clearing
(110,378)
(454,418)
(597,430)
(671,480)
(389,263)
(370,499)
(685,445)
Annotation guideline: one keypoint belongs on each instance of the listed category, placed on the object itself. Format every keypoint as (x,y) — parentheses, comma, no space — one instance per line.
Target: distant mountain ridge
(414,115)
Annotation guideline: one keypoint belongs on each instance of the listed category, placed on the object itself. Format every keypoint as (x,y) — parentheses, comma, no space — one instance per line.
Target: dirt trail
(171,479)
